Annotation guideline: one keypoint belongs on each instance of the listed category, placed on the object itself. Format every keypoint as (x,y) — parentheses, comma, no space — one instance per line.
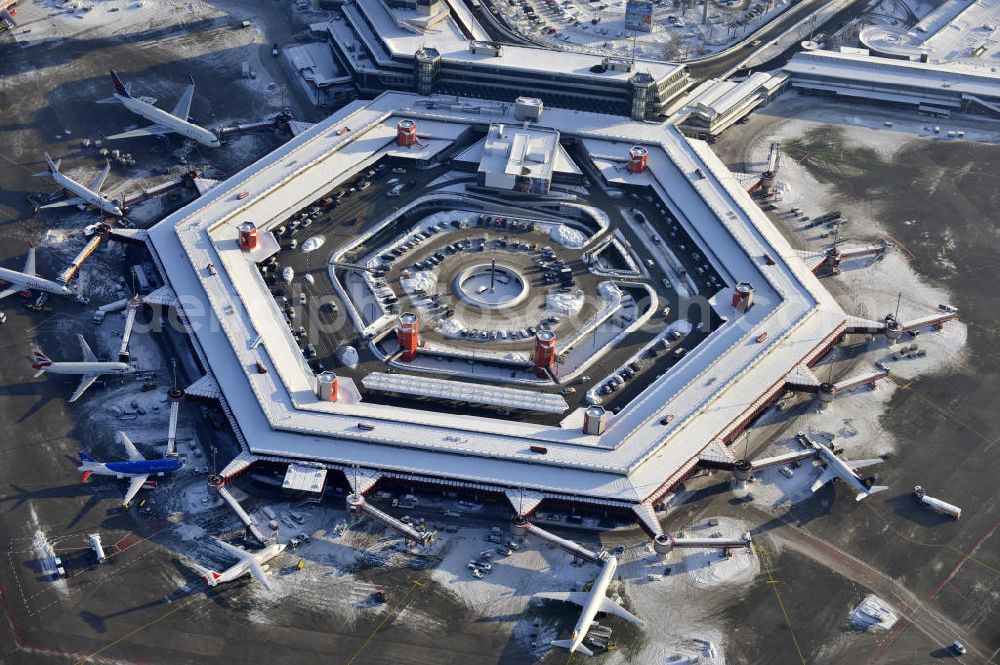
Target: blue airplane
(137,469)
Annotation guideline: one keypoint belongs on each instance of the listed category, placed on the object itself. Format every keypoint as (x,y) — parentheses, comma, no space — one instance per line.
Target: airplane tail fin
(871,490)
(51,167)
(212,578)
(568,645)
(41,362)
(84,457)
(120,87)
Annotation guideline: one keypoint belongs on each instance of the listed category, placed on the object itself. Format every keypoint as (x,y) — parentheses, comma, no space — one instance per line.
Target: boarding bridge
(100,234)
(174,395)
(664,543)
(133,308)
(522,527)
(357,505)
(129,200)
(248,520)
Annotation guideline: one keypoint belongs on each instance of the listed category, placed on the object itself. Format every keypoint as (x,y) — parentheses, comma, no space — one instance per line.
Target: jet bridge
(665,543)
(133,308)
(522,527)
(357,505)
(248,520)
(175,396)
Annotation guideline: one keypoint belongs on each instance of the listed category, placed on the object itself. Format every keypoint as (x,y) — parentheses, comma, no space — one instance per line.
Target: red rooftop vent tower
(248,236)
(545,352)
(408,335)
(406,133)
(327,386)
(638,158)
(743,296)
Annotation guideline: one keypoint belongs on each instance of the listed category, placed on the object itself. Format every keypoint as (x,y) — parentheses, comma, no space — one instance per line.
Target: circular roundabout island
(491,286)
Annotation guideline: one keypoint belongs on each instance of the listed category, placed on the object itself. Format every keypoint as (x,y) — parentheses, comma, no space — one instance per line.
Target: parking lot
(600,25)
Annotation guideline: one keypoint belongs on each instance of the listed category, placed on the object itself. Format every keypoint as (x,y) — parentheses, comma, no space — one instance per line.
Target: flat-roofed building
(518,159)
(716,104)
(940,87)
(389,48)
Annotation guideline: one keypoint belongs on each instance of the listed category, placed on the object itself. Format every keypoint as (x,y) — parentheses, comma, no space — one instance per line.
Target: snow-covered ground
(868,289)
(41,21)
(683,592)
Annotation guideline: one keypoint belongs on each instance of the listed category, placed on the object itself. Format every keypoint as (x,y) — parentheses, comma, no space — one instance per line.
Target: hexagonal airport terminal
(475,312)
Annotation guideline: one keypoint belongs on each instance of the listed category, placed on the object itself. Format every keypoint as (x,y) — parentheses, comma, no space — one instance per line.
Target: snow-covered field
(867,289)
(41,21)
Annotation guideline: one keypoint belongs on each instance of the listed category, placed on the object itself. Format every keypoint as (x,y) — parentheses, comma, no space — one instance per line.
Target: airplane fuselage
(161,117)
(37,283)
(88,195)
(840,467)
(88,368)
(597,594)
(152,467)
(240,569)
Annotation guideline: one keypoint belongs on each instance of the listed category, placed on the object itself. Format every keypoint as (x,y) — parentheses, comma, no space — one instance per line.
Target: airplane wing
(72,201)
(29,261)
(11,290)
(133,454)
(825,477)
(134,485)
(98,182)
(258,573)
(88,355)
(609,606)
(86,381)
(862,463)
(152,130)
(183,107)
(575,597)
(232,549)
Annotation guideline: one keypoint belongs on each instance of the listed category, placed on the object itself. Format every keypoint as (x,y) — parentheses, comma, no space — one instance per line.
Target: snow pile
(873,613)
(563,303)
(425,280)
(708,568)
(683,326)
(450,327)
(313,243)
(189,531)
(610,291)
(568,237)
(348,356)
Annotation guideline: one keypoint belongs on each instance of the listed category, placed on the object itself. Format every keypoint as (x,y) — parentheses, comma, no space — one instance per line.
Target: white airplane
(137,469)
(90,368)
(82,196)
(163,123)
(592,603)
(839,469)
(250,563)
(29,279)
